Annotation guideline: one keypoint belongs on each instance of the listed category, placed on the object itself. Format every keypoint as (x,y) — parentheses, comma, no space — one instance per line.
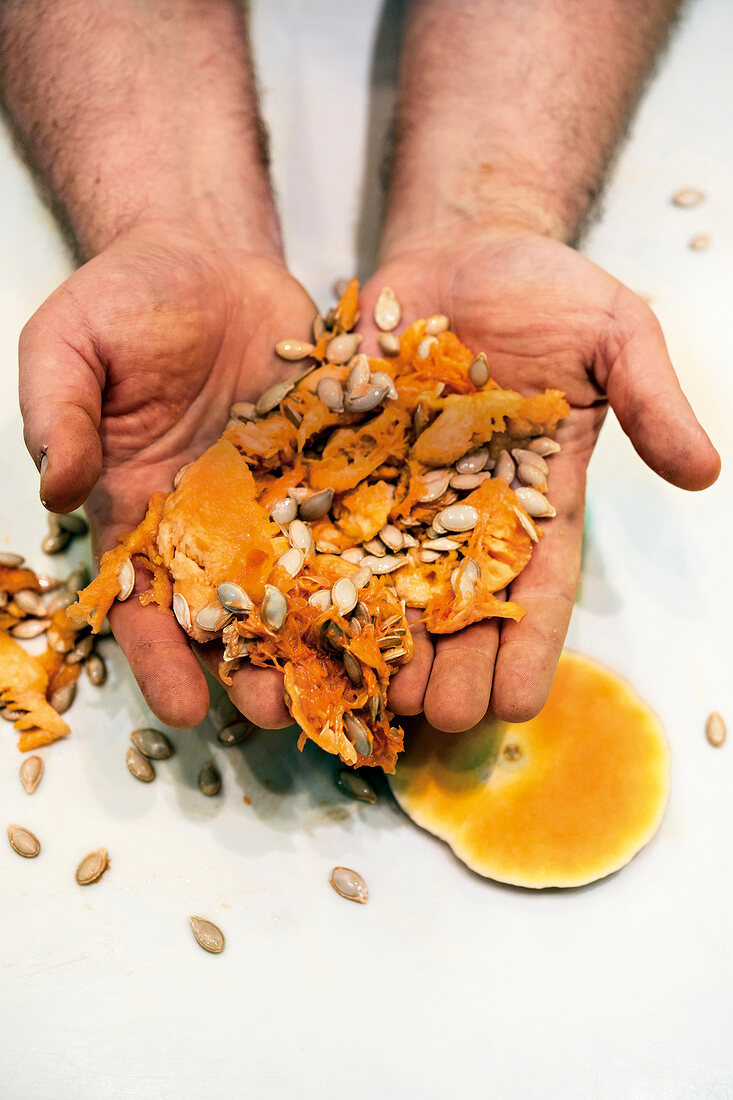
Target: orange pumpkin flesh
(562,800)
(216,527)
(24,682)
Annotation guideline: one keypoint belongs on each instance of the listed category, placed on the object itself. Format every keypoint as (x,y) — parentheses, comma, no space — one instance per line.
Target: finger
(459,689)
(407,687)
(256,692)
(167,672)
(530,649)
(60,388)
(642,387)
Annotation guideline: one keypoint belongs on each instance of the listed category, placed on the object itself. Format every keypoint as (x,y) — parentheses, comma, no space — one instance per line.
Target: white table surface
(444,984)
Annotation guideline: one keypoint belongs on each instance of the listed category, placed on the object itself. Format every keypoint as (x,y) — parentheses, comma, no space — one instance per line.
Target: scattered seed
(23,841)
(207,935)
(387,310)
(688,196)
(9,714)
(139,765)
(237,732)
(320,599)
(62,698)
(389,641)
(530,458)
(479,372)
(342,347)
(30,602)
(534,503)
(151,743)
(423,348)
(543,445)
(81,650)
(54,542)
(354,555)
(409,540)
(436,324)
(92,867)
(125,579)
(358,734)
(332,636)
(532,476)
(95,669)
(72,522)
(242,410)
(319,327)
(344,596)
(458,517)
(182,611)
(292,414)
(317,505)
(31,773)
(349,884)
(78,578)
(292,350)
(60,600)
(274,607)
(389,343)
(715,729)
(30,628)
(209,780)
(284,511)
(13,561)
(526,523)
(361,578)
(355,786)
(300,536)
(213,617)
(352,666)
(329,391)
(700,242)
(463,583)
(387,564)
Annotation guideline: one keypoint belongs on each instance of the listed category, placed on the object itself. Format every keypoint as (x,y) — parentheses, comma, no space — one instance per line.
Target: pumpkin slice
(562,800)
(23,683)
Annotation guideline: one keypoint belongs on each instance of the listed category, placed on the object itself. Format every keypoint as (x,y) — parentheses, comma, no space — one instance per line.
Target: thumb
(60,389)
(646,396)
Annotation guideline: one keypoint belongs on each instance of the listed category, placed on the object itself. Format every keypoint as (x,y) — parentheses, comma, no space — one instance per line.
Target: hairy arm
(139,113)
(510,110)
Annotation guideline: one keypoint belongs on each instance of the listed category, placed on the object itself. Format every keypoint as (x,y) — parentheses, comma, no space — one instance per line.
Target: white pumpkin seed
(373,397)
(213,617)
(23,841)
(543,445)
(30,628)
(284,511)
(423,348)
(436,324)
(715,729)
(323,546)
(387,564)
(442,544)
(207,935)
(298,494)
(300,536)
(329,391)
(462,583)
(391,536)
(92,867)
(387,310)
(688,196)
(79,577)
(293,350)
(436,485)
(242,410)
(56,542)
(389,344)
(341,348)
(458,517)
(125,579)
(30,602)
(428,556)
(409,540)
(320,599)
(316,506)
(534,503)
(358,734)
(349,884)
(358,382)
(375,547)
(526,523)
(361,613)
(473,461)
(139,766)
(209,780)
(62,698)
(479,372)
(151,743)
(355,786)
(504,469)
(31,773)
(382,380)
(361,578)
(12,561)
(81,650)
(180,472)
(532,476)
(95,669)
(60,600)
(319,327)
(354,555)
(274,607)
(530,458)
(182,611)
(394,654)
(291,561)
(344,596)
(469,481)
(273,395)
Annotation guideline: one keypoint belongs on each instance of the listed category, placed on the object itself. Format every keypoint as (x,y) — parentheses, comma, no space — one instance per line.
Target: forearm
(510,111)
(136,113)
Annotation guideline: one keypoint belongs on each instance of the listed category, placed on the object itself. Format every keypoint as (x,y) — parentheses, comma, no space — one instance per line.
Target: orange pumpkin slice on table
(562,800)
(347,493)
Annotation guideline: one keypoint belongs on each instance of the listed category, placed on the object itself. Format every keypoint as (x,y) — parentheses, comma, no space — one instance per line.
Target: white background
(444,984)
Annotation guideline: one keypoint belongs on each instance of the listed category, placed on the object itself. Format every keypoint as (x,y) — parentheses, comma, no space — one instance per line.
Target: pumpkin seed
(389,641)
(213,617)
(355,625)
(688,196)
(534,503)
(8,714)
(151,743)
(373,397)
(357,384)
(382,380)
(375,547)
(319,327)
(472,568)
(92,867)
(700,242)
(349,884)
(139,766)
(62,698)
(242,410)
(394,654)
(526,523)
(31,773)
(332,636)
(530,458)
(387,564)
(237,732)
(341,348)
(355,786)
(209,780)
(344,596)
(292,350)
(352,667)
(30,602)
(23,841)
(436,324)
(284,511)
(469,481)
(81,650)
(300,536)
(387,310)
(444,545)
(54,542)
(12,561)
(428,556)
(543,445)
(270,398)
(95,669)
(329,392)
(354,555)
(504,469)
(292,414)
(436,486)
(361,613)
(78,578)
(361,578)
(462,583)
(409,540)
(391,536)
(473,461)
(125,579)
(291,561)
(30,628)
(479,372)
(532,476)
(374,706)
(715,729)
(389,343)
(72,522)
(323,546)
(317,505)
(180,472)
(274,607)
(320,599)
(207,935)
(358,734)
(423,348)
(458,517)
(420,418)
(182,611)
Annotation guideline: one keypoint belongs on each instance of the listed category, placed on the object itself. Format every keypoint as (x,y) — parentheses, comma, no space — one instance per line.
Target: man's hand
(126,373)
(546,318)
